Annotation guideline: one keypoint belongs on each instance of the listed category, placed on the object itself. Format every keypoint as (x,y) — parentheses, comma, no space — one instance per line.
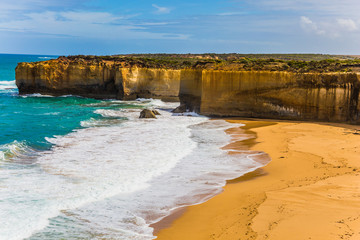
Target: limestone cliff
(104,79)
(322,96)
(330,97)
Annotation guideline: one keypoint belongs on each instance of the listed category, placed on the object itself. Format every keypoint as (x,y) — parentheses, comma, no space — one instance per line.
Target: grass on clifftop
(269,62)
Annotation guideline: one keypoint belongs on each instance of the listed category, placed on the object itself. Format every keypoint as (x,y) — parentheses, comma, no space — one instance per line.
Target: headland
(262,86)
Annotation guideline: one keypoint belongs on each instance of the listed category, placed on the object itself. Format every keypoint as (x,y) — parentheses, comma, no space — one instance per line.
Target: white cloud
(328,7)
(98,25)
(333,28)
(231,13)
(347,24)
(161,10)
(91,17)
(22,5)
(310,26)
(155,23)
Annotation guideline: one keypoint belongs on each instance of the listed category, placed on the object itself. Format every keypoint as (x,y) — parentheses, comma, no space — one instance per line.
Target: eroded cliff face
(330,97)
(147,83)
(97,80)
(264,94)
(63,77)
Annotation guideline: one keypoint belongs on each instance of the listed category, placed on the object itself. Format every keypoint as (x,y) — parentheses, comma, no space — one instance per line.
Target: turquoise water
(29,119)
(8,63)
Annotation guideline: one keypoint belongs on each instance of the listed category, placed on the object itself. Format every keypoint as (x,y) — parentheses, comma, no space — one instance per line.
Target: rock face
(104,79)
(146,113)
(330,97)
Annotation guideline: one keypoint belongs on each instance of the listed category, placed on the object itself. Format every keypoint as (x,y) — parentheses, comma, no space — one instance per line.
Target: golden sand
(309,190)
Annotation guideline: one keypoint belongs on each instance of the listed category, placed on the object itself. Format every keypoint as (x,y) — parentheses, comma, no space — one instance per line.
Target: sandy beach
(309,190)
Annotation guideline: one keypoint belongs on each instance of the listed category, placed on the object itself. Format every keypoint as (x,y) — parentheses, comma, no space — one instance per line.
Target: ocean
(80,168)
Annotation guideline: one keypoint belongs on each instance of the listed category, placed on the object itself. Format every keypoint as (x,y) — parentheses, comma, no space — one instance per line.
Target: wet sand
(309,190)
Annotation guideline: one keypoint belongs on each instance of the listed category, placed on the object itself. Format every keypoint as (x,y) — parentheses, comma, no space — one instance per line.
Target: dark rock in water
(156,112)
(146,113)
(180,109)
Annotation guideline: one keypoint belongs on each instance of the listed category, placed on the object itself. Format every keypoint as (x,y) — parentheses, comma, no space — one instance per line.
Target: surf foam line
(7,85)
(113,182)
(90,165)
(194,179)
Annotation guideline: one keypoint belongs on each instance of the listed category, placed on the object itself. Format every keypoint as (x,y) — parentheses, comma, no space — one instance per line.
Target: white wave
(150,103)
(49,96)
(51,113)
(92,164)
(69,95)
(144,99)
(87,123)
(114,181)
(192,114)
(195,178)
(16,150)
(100,122)
(132,113)
(47,57)
(110,113)
(5,85)
(36,95)
(157,103)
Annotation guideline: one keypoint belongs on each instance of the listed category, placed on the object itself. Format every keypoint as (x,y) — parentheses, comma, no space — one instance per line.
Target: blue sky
(157,26)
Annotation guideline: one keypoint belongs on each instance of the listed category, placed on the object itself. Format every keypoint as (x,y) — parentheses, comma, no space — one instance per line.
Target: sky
(103,27)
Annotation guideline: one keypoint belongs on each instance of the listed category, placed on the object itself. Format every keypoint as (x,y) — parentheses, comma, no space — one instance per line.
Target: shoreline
(235,146)
(276,201)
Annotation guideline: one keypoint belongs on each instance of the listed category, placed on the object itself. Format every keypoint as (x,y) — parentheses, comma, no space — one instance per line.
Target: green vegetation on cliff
(232,62)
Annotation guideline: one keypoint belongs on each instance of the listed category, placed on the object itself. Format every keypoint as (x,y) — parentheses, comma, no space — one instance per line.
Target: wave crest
(16,151)
(92,122)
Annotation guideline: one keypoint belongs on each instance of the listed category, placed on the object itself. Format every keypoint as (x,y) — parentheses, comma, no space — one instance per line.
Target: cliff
(104,79)
(332,97)
(303,92)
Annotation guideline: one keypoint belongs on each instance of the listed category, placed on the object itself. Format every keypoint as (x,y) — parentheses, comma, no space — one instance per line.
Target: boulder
(180,109)
(146,113)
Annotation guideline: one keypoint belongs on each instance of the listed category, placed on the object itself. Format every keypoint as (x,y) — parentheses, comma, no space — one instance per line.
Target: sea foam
(5,85)
(112,181)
